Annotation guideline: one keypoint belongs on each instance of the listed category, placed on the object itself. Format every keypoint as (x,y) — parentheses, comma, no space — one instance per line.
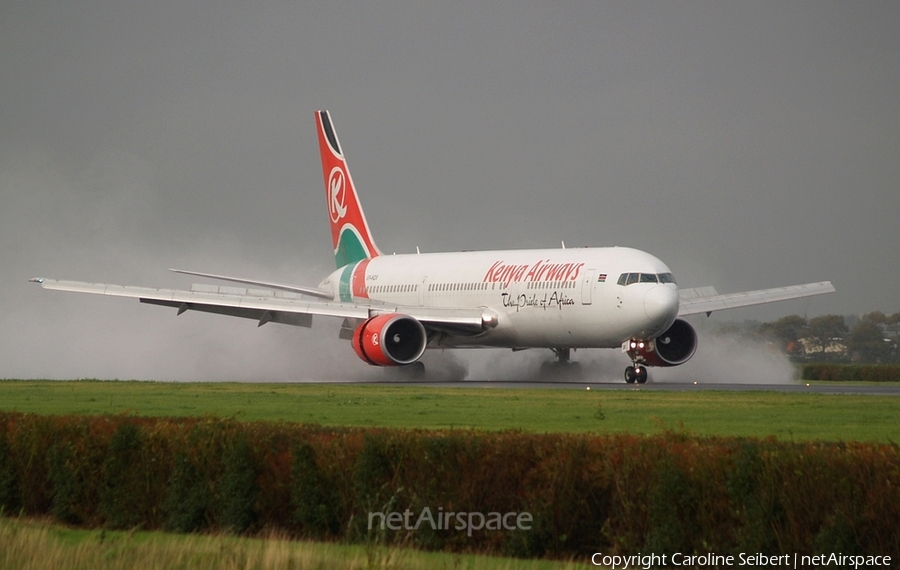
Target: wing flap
(301,290)
(694,305)
(259,315)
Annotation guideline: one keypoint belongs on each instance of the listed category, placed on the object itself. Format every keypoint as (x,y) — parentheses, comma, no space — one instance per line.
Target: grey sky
(748,145)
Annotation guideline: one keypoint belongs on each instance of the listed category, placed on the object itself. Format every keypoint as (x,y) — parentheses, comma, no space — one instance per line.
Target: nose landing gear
(636,373)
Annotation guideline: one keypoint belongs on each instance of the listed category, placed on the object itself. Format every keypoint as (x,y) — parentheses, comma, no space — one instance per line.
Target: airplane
(394,307)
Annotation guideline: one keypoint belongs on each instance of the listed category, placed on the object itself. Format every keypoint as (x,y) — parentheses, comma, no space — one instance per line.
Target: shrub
(313,499)
(851,372)
(586,493)
(9,484)
(237,490)
(124,496)
(67,488)
(751,489)
(187,506)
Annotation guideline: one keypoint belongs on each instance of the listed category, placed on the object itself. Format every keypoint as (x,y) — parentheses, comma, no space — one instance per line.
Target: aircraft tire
(641,375)
(414,371)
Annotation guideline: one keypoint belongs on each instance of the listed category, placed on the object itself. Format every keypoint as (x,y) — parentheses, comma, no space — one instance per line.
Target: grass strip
(34,544)
(792,416)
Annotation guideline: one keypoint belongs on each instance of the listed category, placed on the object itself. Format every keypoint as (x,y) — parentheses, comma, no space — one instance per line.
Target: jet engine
(673,347)
(390,340)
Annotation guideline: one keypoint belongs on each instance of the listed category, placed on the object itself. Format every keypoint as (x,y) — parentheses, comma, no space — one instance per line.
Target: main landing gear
(562,354)
(636,373)
(563,368)
(407,372)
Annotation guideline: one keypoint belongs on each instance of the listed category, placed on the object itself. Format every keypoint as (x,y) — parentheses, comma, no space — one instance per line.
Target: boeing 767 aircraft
(394,307)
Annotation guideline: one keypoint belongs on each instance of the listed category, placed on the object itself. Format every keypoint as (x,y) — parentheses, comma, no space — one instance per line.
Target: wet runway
(817,388)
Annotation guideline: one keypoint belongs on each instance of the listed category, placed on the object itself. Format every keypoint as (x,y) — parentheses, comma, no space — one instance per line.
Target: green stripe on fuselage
(344,286)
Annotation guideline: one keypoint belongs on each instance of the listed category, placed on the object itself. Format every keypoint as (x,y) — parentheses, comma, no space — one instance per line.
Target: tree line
(871,338)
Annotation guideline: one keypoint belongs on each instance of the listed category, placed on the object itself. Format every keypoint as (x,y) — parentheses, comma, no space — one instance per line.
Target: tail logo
(349,232)
(337,190)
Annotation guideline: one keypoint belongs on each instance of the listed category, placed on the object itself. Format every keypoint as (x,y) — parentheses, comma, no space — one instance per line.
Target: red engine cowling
(390,340)
(673,347)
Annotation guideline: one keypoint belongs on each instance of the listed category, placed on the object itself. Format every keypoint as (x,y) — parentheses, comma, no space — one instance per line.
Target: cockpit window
(629,278)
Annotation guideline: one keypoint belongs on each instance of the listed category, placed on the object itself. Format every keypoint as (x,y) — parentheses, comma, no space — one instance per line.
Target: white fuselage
(574,298)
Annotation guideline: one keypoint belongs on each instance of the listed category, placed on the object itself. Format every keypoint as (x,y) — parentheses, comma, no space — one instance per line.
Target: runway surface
(816,388)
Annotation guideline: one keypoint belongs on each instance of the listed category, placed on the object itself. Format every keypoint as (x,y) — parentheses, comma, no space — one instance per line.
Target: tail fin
(349,231)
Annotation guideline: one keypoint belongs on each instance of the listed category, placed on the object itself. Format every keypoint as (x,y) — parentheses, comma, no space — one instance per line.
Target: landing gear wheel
(641,373)
(563,369)
(636,373)
(562,354)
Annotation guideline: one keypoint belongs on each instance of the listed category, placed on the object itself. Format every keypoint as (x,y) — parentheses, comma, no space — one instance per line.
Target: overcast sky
(747,144)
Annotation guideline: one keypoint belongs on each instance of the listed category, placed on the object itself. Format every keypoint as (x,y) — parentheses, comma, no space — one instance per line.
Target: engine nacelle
(673,347)
(390,340)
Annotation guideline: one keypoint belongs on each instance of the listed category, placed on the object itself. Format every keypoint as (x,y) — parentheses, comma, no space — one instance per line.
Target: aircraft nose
(661,304)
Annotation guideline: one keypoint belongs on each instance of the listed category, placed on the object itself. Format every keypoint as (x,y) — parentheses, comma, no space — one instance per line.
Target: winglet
(350,233)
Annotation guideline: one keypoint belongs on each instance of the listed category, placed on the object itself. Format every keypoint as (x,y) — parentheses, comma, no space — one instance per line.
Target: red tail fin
(350,234)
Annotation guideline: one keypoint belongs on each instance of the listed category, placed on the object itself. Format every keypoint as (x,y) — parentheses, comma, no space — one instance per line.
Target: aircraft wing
(696,303)
(277,306)
(311,291)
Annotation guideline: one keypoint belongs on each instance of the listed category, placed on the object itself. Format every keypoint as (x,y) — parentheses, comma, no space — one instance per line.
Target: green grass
(750,413)
(35,544)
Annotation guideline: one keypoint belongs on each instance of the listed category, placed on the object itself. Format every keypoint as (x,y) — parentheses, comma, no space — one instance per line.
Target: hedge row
(618,493)
(851,372)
